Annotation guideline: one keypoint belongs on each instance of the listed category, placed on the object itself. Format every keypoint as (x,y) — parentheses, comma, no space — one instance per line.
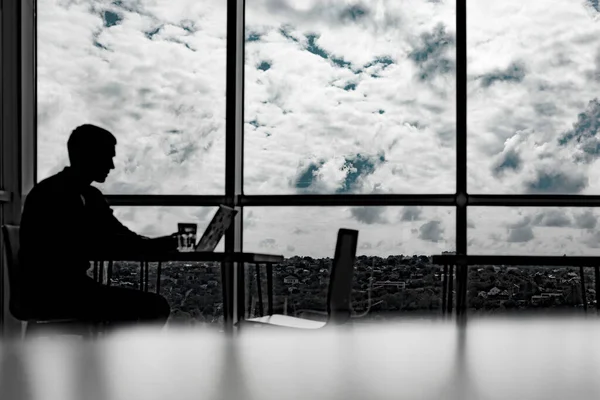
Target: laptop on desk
(216,229)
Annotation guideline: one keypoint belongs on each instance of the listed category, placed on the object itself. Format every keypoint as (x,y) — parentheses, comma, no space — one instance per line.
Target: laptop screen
(216,229)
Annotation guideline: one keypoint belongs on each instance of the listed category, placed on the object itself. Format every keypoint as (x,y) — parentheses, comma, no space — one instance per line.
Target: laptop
(216,229)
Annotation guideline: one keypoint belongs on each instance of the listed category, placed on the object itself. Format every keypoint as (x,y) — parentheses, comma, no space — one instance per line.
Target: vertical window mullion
(461,148)
(232,281)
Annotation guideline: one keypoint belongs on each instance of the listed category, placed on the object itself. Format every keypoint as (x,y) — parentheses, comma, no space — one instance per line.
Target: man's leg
(121,307)
(88,300)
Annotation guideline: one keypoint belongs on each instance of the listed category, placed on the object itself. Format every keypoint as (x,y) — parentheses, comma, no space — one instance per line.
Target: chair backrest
(12,245)
(342,274)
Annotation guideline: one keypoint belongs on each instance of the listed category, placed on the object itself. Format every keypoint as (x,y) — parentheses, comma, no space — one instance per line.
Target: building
(535,300)
(291,280)
(503,295)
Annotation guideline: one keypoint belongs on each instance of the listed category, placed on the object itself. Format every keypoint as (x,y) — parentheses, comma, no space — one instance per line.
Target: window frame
(234,157)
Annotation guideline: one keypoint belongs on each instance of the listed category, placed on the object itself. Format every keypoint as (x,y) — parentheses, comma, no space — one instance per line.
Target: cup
(186,236)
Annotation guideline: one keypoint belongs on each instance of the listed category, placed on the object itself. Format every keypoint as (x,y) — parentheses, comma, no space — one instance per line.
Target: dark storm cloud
(552,218)
(411,213)
(520,235)
(585,131)
(509,161)
(314,48)
(354,12)
(307,177)
(431,55)
(111,19)
(556,182)
(182,152)
(545,109)
(431,231)
(586,220)
(513,73)
(369,215)
(358,167)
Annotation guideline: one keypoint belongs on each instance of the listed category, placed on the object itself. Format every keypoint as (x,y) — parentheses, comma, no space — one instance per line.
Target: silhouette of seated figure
(65,221)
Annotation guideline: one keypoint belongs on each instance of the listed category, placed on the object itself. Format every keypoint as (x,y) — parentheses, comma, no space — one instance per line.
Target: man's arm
(121,238)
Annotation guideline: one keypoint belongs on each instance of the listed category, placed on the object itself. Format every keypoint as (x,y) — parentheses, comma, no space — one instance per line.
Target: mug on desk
(186,236)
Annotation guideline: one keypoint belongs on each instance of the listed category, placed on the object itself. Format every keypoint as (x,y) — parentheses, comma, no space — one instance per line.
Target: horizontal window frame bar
(292,200)
(5,196)
(517,261)
(143,200)
(448,200)
(545,200)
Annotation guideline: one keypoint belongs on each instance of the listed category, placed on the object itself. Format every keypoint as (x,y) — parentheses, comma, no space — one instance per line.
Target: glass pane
(533,231)
(194,289)
(533,110)
(152,73)
(393,273)
(348,97)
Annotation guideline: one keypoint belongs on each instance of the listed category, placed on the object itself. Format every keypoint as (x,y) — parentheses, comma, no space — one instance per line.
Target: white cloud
(156,78)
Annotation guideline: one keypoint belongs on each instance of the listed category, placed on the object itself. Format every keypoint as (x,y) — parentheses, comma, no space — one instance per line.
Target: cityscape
(384,288)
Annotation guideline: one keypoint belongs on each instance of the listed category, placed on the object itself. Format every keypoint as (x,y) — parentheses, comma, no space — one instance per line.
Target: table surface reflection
(513,358)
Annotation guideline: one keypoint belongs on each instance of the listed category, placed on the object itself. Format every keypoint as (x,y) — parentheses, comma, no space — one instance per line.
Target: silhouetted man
(64,222)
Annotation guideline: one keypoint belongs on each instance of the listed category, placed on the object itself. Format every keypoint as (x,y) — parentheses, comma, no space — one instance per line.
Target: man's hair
(86,139)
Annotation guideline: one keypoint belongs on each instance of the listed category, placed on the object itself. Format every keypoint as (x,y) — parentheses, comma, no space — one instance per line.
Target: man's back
(62,223)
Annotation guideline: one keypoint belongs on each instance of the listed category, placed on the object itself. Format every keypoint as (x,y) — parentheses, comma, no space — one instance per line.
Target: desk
(494,359)
(228,262)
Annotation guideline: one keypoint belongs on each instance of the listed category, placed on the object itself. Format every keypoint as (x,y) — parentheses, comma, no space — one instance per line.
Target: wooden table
(228,261)
(492,359)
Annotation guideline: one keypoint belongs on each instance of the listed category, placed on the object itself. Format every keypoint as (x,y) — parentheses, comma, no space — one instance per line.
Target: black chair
(338,297)
(18,306)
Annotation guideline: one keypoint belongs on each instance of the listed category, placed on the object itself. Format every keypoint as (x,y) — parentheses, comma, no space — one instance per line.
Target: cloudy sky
(342,96)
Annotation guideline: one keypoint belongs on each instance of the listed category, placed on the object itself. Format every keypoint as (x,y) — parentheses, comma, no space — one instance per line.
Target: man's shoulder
(54,183)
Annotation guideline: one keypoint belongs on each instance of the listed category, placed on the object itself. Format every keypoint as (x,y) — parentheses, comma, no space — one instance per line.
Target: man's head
(91,152)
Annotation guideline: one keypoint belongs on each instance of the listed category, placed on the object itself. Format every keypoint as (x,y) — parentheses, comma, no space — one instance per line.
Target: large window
(315,115)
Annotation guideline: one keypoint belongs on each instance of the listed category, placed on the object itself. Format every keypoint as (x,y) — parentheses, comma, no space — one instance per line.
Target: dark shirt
(64,224)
